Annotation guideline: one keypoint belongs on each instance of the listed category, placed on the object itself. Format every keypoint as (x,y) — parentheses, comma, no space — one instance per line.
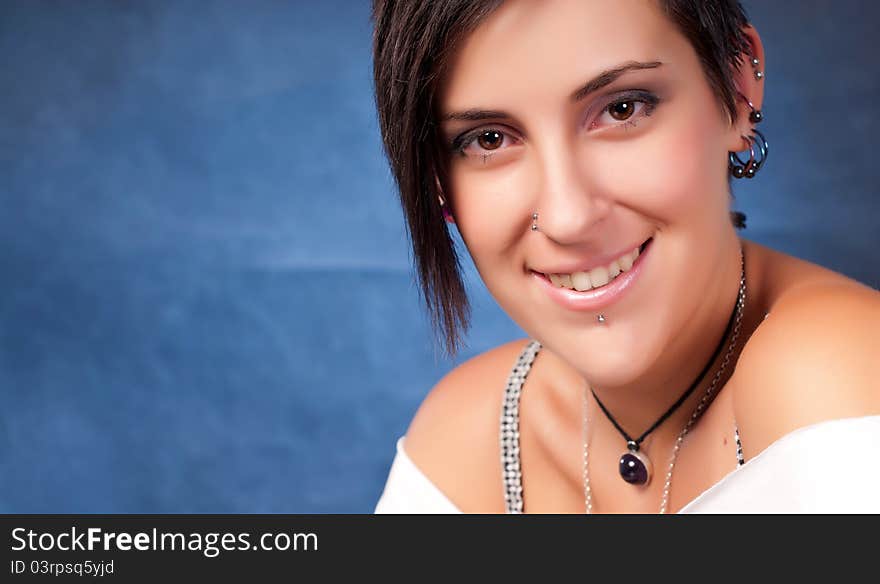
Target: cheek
(669,172)
(489,211)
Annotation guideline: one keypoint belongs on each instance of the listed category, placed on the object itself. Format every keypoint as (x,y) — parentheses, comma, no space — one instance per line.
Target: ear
(748,80)
(444,205)
(439,190)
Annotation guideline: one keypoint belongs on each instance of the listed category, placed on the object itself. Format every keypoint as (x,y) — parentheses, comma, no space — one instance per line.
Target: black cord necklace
(635,466)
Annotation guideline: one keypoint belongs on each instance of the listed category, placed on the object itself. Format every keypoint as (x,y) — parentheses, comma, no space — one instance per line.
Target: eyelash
(649,101)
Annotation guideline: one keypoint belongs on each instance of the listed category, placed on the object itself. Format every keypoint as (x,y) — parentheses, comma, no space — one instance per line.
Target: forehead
(545,48)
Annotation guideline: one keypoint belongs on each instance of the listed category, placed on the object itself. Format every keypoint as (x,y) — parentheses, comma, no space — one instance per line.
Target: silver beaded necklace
(698,411)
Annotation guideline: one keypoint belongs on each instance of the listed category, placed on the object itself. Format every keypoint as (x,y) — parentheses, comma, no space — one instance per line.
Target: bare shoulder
(453,437)
(814,358)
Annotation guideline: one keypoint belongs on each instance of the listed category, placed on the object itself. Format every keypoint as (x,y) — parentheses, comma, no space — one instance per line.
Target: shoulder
(453,437)
(814,358)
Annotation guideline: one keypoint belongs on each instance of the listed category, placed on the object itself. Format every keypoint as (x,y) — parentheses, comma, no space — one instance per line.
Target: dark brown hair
(413,41)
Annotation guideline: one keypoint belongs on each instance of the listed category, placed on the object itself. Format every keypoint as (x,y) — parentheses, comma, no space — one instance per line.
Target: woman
(671,366)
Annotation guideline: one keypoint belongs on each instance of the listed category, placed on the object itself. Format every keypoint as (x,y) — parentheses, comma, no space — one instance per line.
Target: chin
(607,358)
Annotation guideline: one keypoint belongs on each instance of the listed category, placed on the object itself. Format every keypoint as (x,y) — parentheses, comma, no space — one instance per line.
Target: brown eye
(490,139)
(621,110)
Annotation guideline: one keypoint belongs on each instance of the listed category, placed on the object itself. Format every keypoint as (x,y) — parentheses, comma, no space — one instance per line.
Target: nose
(568,203)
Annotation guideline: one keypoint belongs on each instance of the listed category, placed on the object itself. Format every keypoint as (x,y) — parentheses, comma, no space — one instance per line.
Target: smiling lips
(597,277)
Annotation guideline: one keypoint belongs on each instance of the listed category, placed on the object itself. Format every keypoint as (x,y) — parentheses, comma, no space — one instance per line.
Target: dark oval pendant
(635,468)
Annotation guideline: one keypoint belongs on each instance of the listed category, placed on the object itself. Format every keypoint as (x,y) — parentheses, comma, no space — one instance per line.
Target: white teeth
(596,277)
(581,281)
(599,276)
(613,269)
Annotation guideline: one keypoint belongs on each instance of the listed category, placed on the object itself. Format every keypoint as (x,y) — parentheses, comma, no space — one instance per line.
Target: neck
(637,405)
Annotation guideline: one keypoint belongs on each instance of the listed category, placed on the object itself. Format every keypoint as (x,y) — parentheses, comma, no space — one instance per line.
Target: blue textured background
(207,300)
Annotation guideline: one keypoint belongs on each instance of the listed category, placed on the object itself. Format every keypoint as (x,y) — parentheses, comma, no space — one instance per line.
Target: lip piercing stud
(601,318)
(534,221)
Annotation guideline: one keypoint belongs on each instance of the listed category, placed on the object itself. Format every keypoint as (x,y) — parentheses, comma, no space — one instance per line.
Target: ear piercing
(747,169)
(755,64)
(447,215)
(755,116)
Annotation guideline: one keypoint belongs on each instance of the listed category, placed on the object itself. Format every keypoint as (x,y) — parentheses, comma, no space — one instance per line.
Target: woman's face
(597,116)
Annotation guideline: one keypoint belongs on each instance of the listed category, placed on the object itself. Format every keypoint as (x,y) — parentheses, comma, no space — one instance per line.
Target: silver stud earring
(601,318)
(758,73)
(534,221)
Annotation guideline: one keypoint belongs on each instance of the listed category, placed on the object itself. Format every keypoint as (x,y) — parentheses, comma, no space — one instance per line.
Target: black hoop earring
(763,146)
(738,168)
(747,169)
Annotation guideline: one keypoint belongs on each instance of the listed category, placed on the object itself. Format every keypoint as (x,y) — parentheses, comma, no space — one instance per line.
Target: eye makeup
(649,100)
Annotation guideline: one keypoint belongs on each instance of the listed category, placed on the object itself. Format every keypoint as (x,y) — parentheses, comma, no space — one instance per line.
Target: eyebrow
(601,80)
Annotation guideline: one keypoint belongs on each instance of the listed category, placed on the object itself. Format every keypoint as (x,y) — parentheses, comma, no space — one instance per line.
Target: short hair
(412,45)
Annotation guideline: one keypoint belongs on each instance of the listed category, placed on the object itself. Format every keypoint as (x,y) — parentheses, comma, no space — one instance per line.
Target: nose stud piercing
(534,221)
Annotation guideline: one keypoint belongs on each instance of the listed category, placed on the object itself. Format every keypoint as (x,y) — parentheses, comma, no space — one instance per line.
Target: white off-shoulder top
(828,467)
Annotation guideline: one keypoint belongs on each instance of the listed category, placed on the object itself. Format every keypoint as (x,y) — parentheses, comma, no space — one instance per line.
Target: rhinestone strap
(739,447)
(510,463)
(510,444)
